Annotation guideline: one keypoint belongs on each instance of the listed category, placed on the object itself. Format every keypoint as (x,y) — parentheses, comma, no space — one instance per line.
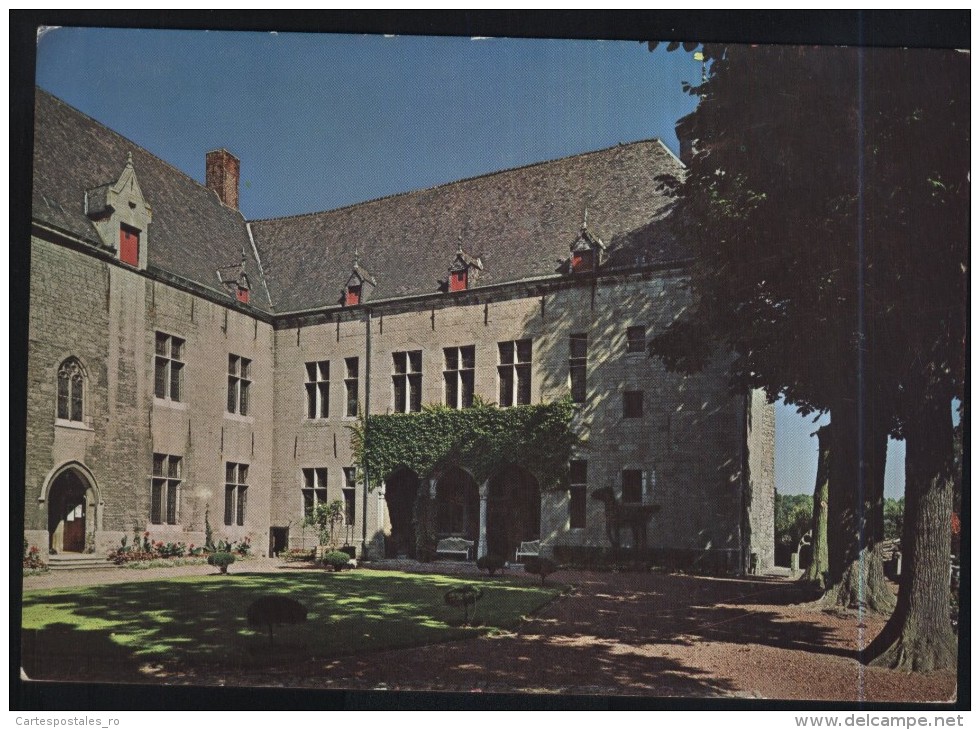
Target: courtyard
(643,634)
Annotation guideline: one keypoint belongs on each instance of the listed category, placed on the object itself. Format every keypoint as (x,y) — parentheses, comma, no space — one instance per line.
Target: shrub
(335,559)
(463,597)
(221,560)
(130,555)
(243,547)
(32,558)
(540,566)
(325,517)
(275,610)
(171,550)
(490,563)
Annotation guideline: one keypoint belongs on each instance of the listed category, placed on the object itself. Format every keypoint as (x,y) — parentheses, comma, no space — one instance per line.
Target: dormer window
(235,281)
(120,215)
(129,245)
(586,250)
(241,293)
(457,281)
(353,296)
(463,271)
(355,291)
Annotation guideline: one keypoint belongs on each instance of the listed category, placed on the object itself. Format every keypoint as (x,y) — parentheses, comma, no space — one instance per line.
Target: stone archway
(401,493)
(513,511)
(72,501)
(458,505)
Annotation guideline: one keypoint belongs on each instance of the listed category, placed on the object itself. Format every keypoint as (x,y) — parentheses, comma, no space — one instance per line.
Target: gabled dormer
(235,281)
(356,289)
(586,250)
(121,216)
(464,270)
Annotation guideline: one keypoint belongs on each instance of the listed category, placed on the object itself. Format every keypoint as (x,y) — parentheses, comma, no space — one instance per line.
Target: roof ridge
(131,142)
(417,191)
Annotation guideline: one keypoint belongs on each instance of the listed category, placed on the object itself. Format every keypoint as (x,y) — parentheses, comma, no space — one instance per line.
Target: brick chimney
(221,175)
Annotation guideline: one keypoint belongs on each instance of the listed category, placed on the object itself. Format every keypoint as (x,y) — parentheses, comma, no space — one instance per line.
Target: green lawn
(200,620)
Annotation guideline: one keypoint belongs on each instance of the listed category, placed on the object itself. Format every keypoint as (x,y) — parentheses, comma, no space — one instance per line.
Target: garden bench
(529,549)
(457,546)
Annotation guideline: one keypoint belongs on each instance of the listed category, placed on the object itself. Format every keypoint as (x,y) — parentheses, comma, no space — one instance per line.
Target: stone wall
(107,316)
(761,496)
(688,445)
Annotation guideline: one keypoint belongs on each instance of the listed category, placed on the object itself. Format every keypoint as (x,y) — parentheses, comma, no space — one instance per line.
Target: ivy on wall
(483,440)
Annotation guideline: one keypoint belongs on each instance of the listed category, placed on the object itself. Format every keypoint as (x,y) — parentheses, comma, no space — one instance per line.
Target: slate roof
(192,233)
(519,223)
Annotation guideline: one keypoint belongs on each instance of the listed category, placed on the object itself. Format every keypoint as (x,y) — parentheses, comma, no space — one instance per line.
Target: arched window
(71,383)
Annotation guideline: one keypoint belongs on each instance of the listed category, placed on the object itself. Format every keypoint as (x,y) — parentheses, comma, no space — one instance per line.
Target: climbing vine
(483,439)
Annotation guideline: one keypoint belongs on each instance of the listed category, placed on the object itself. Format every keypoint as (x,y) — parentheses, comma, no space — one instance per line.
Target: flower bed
(153,553)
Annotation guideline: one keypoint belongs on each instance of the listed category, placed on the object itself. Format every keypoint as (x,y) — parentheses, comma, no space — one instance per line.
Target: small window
(633,404)
(406,380)
(236,493)
(458,375)
(168,367)
(577,361)
(352,296)
(514,373)
(165,489)
(632,485)
(582,261)
(458,280)
(350,489)
(314,489)
(350,383)
(241,293)
(239,382)
(71,386)
(129,245)
(318,389)
(636,338)
(578,482)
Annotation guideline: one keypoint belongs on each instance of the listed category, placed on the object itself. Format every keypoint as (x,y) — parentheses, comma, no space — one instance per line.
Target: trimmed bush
(336,559)
(540,566)
(275,610)
(463,597)
(221,561)
(491,563)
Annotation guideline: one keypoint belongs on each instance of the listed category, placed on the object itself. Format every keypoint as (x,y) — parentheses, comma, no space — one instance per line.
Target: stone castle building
(188,364)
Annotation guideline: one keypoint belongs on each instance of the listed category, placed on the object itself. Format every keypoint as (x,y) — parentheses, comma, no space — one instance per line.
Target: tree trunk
(856,515)
(819,564)
(919,636)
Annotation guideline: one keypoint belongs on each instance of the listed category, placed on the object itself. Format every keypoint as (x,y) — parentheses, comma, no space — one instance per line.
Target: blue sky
(322,121)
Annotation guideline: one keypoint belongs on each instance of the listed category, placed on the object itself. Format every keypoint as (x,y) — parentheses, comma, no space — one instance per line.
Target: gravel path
(645,634)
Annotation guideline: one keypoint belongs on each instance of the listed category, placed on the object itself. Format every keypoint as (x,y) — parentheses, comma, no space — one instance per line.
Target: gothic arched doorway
(513,511)
(458,499)
(401,492)
(69,520)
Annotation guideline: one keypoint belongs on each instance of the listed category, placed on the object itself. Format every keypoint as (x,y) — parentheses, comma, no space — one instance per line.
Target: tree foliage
(794,518)
(827,205)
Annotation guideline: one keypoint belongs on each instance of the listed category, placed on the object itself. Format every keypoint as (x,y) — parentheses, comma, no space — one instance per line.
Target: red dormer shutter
(353,295)
(457,280)
(129,245)
(242,295)
(581,261)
